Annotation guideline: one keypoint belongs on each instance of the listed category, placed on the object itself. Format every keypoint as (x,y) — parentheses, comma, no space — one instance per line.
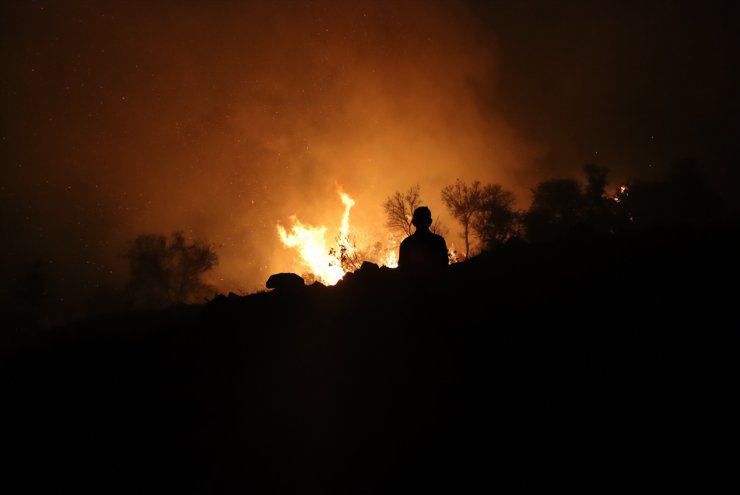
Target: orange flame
(323,262)
(391,255)
(311,245)
(310,242)
(348,204)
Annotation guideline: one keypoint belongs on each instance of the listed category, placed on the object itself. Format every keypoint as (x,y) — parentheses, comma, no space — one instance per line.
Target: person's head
(422,218)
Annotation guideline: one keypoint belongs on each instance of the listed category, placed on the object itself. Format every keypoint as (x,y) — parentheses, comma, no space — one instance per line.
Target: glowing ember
(622,191)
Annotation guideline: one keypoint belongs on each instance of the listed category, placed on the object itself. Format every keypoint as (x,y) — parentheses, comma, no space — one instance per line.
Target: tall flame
(326,262)
(348,204)
(310,242)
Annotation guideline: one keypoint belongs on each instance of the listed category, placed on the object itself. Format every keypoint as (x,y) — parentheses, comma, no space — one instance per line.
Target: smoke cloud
(222,119)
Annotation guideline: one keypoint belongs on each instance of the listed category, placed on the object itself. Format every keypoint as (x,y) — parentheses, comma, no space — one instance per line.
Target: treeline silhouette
(601,358)
(565,206)
(164,271)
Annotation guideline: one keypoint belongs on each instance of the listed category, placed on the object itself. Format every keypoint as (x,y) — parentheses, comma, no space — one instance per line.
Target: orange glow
(311,245)
(310,242)
(622,191)
(391,255)
(348,204)
(325,261)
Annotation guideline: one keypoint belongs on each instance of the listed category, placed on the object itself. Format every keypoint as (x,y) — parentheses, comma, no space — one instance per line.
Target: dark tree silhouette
(556,209)
(596,180)
(497,220)
(399,208)
(600,213)
(168,271)
(684,198)
(694,201)
(463,201)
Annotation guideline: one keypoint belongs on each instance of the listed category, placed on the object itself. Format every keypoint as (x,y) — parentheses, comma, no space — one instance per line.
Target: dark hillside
(588,365)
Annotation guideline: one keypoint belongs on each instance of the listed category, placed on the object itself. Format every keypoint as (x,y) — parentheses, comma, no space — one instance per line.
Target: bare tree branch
(168,271)
(463,202)
(399,209)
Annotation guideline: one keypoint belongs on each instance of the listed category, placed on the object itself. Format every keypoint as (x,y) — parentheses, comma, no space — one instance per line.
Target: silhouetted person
(423,252)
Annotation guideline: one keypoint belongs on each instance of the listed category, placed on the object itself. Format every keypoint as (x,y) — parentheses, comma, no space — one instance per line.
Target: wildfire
(311,245)
(391,255)
(329,263)
(622,191)
(348,204)
(310,242)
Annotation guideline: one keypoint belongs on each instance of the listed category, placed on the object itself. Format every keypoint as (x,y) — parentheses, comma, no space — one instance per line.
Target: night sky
(222,119)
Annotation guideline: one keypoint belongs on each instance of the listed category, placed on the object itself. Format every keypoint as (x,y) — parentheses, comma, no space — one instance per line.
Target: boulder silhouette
(285,281)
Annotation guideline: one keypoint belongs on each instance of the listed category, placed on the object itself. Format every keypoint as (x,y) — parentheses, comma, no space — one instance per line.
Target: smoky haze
(223,119)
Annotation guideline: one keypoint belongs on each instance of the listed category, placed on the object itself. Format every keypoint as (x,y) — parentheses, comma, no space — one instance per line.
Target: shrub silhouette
(497,220)
(557,207)
(166,271)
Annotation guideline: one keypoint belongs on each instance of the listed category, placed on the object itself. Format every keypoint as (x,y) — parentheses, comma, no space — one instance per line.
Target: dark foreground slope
(596,365)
